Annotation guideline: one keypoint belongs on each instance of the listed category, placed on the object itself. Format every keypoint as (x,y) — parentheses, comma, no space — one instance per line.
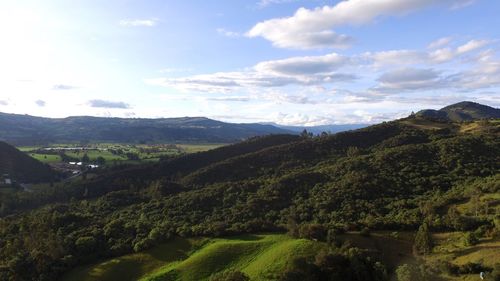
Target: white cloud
(108,104)
(441,42)
(397,57)
(410,79)
(40,103)
(63,87)
(312,70)
(4,102)
(462,4)
(265,3)
(227,33)
(379,76)
(230,98)
(484,74)
(442,55)
(471,45)
(139,22)
(303,65)
(312,28)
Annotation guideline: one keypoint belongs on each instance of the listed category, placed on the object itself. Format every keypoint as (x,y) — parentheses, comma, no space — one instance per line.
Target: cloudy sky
(300,62)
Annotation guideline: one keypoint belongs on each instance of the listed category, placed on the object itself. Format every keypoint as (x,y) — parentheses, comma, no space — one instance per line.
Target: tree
(313,231)
(423,241)
(408,272)
(85,158)
(305,134)
(100,160)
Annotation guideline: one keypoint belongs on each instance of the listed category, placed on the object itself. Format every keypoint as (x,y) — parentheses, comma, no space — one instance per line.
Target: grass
(261,257)
(46,158)
(450,247)
(422,123)
(193,148)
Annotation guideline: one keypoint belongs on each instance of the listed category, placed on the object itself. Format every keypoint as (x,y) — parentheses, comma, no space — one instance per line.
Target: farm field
(111,153)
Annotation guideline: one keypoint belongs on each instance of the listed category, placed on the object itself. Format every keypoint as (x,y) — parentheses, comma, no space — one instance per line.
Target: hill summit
(462,111)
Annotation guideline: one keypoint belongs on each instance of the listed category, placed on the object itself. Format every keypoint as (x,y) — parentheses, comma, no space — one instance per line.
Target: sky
(292,62)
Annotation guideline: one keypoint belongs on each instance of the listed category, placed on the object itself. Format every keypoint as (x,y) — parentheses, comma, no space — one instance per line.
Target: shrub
(230,276)
(470,239)
(365,232)
(423,241)
(313,232)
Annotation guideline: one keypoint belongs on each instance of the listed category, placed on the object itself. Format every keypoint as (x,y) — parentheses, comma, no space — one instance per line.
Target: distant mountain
(323,128)
(21,167)
(462,111)
(29,130)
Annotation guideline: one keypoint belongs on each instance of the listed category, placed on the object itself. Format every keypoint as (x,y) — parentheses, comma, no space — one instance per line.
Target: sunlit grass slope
(261,257)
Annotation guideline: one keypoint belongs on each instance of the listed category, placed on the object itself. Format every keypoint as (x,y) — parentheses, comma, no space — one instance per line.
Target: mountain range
(31,130)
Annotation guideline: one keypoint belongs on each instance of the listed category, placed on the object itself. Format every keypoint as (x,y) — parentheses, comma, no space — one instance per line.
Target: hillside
(462,111)
(394,176)
(265,257)
(260,256)
(21,167)
(30,130)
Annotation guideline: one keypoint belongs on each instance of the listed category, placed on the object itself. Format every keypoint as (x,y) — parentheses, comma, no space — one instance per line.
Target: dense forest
(407,174)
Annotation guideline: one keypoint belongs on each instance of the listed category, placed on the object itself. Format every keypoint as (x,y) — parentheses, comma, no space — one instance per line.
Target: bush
(230,276)
(313,232)
(423,241)
(470,239)
(365,232)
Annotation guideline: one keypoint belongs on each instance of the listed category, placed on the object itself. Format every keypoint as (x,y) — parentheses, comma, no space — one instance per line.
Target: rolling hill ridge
(462,111)
(30,130)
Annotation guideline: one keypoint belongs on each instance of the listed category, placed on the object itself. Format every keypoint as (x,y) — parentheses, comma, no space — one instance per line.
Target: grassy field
(259,256)
(450,247)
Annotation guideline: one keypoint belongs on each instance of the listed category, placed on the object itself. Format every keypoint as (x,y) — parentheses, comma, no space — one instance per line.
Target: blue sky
(294,62)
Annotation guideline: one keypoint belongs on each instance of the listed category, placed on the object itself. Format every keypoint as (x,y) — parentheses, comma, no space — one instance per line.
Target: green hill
(462,111)
(21,167)
(261,257)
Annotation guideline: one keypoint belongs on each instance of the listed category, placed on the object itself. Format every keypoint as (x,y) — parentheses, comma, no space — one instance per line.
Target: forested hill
(30,130)
(21,167)
(391,176)
(462,111)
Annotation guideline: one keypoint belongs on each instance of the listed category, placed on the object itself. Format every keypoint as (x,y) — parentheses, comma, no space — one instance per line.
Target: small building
(6,181)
